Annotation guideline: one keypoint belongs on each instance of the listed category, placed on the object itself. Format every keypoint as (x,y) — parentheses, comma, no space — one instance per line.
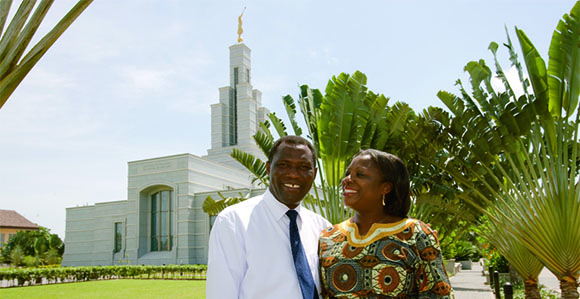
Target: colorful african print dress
(394,260)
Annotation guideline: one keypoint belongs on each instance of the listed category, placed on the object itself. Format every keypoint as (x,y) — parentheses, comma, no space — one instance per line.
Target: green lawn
(124,288)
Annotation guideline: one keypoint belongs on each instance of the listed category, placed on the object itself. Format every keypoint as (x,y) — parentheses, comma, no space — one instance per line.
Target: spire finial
(240,30)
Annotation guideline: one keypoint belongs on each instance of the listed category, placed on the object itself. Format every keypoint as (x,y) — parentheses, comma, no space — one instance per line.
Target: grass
(123,288)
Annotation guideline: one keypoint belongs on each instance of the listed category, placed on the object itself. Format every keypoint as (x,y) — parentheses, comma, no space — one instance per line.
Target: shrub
(30,276)
(498,262)
(30,261)
(465,251)
(16,256)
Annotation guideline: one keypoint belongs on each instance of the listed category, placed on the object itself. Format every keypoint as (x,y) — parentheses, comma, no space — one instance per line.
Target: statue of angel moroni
(240,30)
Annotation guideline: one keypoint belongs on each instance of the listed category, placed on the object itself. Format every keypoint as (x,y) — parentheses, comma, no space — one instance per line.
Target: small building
(12,222)
(162,221)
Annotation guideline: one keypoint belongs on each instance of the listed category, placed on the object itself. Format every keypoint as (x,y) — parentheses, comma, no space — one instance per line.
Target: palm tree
(19,33)
(519,257)
(523,151)
(437,199)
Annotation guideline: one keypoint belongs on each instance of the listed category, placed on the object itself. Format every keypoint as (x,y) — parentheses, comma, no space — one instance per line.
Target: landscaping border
(17,277)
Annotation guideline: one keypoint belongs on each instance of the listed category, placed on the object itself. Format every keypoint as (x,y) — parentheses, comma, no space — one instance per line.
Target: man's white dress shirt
(250,254)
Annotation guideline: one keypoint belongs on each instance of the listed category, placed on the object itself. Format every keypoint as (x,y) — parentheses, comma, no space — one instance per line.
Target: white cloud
(47,111)
(40,78)
(324,55)
(143,80)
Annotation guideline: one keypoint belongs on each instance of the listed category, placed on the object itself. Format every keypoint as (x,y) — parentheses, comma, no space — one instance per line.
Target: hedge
(34,276)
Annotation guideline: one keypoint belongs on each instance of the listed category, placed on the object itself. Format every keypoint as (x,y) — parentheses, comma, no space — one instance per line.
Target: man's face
(291,173)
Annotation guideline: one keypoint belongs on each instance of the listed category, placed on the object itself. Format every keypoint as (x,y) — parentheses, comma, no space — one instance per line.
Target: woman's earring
(384,204)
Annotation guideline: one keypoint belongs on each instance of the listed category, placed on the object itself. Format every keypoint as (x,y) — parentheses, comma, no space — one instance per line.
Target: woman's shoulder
(422,227)
(332,230)
(425,237)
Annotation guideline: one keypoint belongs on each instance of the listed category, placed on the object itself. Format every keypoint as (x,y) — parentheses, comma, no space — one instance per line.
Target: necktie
(300,263)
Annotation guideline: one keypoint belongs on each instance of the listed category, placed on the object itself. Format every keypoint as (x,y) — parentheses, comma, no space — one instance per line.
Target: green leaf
(213,207)
(564,64)
(256,166)
(536,67)
(291,111)
(278,124)
(264,141)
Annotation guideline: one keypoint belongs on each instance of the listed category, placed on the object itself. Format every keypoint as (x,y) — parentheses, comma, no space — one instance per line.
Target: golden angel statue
(240,30)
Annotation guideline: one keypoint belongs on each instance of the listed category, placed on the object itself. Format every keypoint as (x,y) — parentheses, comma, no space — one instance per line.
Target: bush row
(32,276)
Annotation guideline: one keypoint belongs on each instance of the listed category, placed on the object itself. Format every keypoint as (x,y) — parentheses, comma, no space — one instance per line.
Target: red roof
(9,218)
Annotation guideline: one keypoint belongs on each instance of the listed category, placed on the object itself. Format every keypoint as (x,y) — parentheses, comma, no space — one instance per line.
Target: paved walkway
(470,284)
(549,280)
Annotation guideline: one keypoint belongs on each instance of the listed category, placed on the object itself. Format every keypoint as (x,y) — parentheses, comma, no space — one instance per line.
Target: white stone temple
(161,221)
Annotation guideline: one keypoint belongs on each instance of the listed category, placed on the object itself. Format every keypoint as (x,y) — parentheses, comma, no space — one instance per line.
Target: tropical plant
(17,36)
(213,207)
(45,248)
(437,198)
(16,256)
(523,151)
(464,251)
(30,261)
(519,257)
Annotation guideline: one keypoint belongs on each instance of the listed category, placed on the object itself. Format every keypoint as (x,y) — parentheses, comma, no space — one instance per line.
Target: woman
(380,252)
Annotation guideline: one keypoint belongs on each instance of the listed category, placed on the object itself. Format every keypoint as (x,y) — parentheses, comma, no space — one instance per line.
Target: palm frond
(493,46)
(291,111)
(213,207)
(564,65)
(536,69)
(256,166)
(278,124)
(264,141)
(13,68)
(523,261)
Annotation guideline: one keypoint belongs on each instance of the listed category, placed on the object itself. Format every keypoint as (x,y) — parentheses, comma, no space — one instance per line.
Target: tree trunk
(531,289)
(569,287)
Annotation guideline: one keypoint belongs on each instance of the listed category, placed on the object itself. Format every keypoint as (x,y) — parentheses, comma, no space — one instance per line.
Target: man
(250,252)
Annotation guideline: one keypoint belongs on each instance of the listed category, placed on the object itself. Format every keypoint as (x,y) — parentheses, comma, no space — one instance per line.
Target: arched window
(161,221)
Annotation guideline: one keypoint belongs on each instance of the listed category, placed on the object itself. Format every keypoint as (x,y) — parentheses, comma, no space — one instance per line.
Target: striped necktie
(300,263)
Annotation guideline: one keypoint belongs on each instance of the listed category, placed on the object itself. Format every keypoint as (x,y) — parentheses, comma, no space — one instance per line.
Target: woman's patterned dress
(394,260)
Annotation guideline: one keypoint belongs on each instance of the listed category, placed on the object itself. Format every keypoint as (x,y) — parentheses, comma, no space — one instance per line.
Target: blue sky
(135,79)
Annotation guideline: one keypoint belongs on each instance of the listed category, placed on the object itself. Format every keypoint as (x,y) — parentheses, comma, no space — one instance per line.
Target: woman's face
(363,185)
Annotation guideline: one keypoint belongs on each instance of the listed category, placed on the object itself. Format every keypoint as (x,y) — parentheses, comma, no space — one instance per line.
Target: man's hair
(393,170)
(292,140)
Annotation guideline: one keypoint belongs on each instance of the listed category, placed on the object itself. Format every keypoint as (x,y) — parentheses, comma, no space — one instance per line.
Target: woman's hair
(393,170)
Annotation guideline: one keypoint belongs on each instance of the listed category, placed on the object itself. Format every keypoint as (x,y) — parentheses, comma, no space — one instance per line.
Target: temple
(161,221)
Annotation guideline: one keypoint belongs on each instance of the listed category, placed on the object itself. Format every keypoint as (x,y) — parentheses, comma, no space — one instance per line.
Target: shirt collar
(277,208)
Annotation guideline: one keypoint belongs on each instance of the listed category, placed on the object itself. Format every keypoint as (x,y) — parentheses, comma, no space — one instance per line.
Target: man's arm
(226,263)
